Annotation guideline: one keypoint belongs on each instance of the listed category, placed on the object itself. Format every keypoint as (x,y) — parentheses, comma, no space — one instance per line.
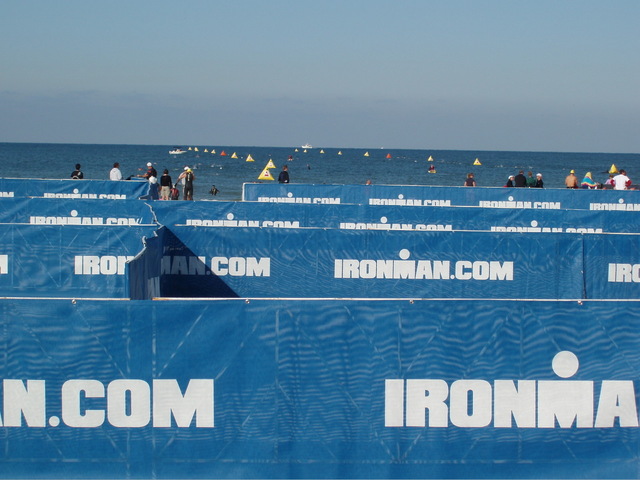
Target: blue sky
(453,74)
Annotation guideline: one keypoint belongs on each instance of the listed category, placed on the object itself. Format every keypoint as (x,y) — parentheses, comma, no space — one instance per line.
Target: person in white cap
(539,182)
(152,177)
(151,172)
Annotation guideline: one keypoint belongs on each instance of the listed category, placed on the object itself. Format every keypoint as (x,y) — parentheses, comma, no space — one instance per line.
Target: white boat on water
(306,145)
(177,151)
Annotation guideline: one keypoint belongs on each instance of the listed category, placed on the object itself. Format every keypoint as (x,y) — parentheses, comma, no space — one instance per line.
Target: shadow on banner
(166,267)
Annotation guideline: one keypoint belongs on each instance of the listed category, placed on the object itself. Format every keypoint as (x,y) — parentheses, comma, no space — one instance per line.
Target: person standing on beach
(531,180)
(115,173)
(571,181)
(151,172)
(188,177)
(539,182)
(77,174)
(284,175)
(165,185)
(621,181)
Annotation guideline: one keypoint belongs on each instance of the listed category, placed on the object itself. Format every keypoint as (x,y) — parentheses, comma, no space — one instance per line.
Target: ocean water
(316,165)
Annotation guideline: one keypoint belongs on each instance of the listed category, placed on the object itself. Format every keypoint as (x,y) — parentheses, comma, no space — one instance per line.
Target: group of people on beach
(530,181)
(518,180)
(165,189)
(617,182)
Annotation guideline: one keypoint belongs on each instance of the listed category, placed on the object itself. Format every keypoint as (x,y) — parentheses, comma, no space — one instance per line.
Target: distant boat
(306,145)
(177,151)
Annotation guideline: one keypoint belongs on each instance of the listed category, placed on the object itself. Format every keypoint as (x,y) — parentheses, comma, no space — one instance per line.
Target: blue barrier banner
(324,263)
(376,217)
(319,389)
(612,266)
(76,189)
(429,196)
(45,211)
(67,260)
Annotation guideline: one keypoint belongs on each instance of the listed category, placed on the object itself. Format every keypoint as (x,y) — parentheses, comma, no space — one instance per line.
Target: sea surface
(316,165)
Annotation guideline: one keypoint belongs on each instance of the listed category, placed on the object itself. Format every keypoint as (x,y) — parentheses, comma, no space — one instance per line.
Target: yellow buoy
(234,155)
(366,154)
(613,168)
(477,162)
(250,158)
(265,175)
(340,152)
(430,159)
(270,164)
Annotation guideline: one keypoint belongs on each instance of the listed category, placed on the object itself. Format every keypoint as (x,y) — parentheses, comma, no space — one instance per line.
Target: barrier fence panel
(377,217)
(319,389)
(76,189)
(45,211)
(422,195)
(67,260)
(612,266)
(321,263)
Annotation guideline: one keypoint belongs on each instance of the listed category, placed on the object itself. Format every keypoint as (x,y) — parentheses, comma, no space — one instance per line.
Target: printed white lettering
(73,393)
(410,202)
(622,207)
(241,267)
(518,204)
(244,223)
(220,266)
(100,265)
(34,220)
(309,200)
(92,196)
(545,229)
(532,404)
(20,400)
(423,269)
(4,264)
(197,400)
(395,226)
(624,273)
(129,403)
